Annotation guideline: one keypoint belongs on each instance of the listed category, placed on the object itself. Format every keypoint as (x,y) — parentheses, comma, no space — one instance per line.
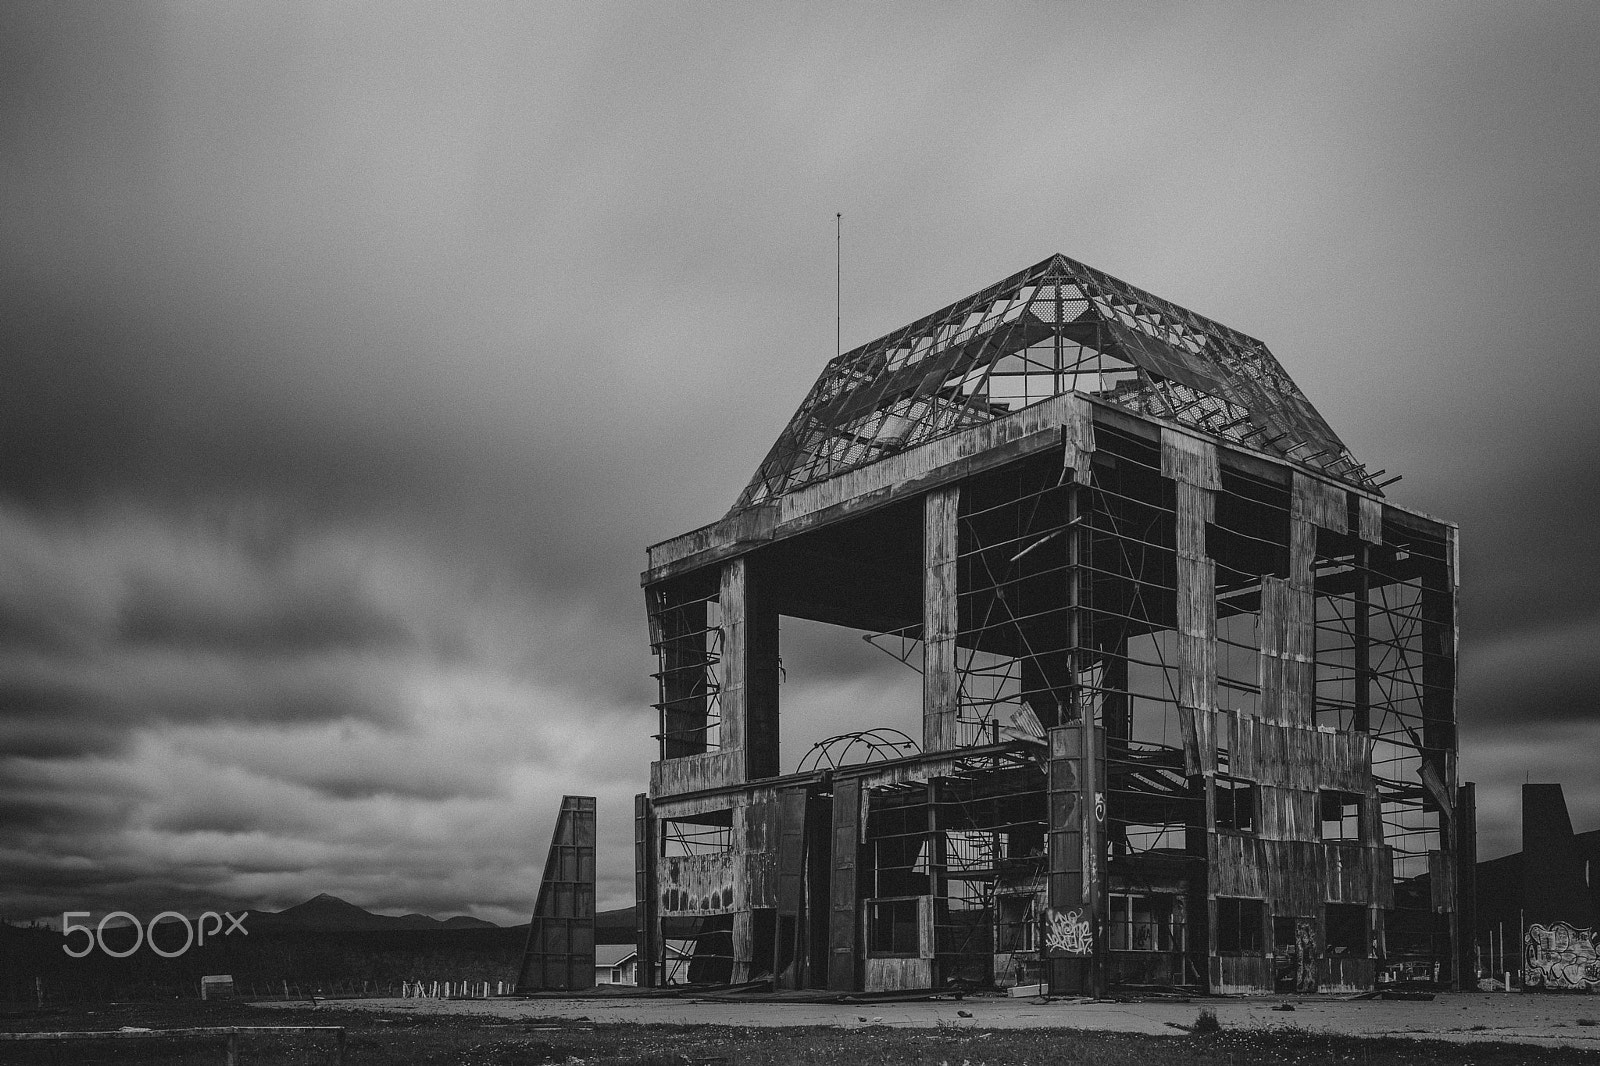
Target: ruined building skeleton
(1187,674)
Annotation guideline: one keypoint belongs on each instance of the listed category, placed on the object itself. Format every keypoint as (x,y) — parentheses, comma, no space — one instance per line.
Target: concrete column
(749,670)
(941,687)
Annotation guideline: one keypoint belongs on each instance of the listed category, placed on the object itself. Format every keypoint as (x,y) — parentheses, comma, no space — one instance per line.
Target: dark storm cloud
(41,722)
(138,691)
(333,619)
(58,817)
(223,315)
(352,358)
(1526,538)
(1544,674)
(209,818)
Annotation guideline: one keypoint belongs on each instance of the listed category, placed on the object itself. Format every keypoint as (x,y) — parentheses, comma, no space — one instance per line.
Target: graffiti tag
(1560,956)
(1067,932)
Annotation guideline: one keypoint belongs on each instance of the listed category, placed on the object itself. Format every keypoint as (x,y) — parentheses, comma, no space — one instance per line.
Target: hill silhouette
(325,913)
(325,943)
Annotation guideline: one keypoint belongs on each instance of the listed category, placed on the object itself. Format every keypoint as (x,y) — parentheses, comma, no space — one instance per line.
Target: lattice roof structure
(1057,327)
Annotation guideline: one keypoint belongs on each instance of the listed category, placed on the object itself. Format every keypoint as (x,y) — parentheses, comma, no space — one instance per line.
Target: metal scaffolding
(1188,679)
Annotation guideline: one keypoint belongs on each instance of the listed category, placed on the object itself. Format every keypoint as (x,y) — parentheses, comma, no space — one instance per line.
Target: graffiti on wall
(1562,957)
(1306,953)
(1067,933)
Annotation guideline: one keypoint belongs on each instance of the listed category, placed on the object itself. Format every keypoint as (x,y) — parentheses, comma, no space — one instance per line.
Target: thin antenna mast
(838,282)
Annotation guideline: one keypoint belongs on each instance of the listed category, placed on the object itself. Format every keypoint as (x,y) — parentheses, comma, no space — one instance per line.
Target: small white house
(618,964)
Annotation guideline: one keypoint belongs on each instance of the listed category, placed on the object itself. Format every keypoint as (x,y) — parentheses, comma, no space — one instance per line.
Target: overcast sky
(353,355)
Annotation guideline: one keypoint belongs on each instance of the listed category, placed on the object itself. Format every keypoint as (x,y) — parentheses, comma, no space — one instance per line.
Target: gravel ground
(1550,1020)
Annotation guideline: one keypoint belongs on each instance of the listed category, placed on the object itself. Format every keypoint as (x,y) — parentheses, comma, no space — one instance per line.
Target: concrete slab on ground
(1469,1017)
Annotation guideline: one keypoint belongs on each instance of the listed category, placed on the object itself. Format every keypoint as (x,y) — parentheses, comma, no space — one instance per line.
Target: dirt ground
(1548,1020)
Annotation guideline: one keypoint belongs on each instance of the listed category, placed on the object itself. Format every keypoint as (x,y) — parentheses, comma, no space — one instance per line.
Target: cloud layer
(353,357)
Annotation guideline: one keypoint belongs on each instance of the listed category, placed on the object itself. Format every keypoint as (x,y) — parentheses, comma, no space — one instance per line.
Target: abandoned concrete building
(1187,677)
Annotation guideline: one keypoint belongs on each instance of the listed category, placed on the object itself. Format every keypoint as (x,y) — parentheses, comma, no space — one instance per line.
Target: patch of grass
(401,1038)
(1206,1022)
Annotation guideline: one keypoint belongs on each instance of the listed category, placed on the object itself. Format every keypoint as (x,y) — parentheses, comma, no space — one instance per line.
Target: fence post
(231,1057)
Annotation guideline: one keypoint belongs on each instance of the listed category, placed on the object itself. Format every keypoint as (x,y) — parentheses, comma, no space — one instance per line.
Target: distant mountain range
(325,942)
(330,914)
(324,913)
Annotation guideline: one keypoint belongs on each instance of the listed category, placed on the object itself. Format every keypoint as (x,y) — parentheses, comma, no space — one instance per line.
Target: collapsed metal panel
(560,951)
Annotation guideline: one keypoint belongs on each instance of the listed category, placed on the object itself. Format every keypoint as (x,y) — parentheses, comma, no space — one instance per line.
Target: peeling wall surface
(1187,676)
(702,884)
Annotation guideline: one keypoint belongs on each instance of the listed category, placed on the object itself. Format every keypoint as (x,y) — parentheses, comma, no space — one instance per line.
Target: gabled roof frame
(1059,326)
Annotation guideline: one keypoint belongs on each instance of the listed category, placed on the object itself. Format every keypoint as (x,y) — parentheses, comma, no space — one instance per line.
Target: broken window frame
(890,940)
(1345,932)
(687,637)
(1016,923)
(1232,795)
(710,833)
(1341,811)
(1147,922)
(1240,925)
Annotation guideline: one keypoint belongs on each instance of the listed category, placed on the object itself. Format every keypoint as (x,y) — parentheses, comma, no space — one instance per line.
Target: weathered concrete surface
(1548,1020)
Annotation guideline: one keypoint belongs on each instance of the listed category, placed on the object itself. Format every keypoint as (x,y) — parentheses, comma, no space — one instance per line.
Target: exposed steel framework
(1058,327)
(861,746)
(1187,678)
